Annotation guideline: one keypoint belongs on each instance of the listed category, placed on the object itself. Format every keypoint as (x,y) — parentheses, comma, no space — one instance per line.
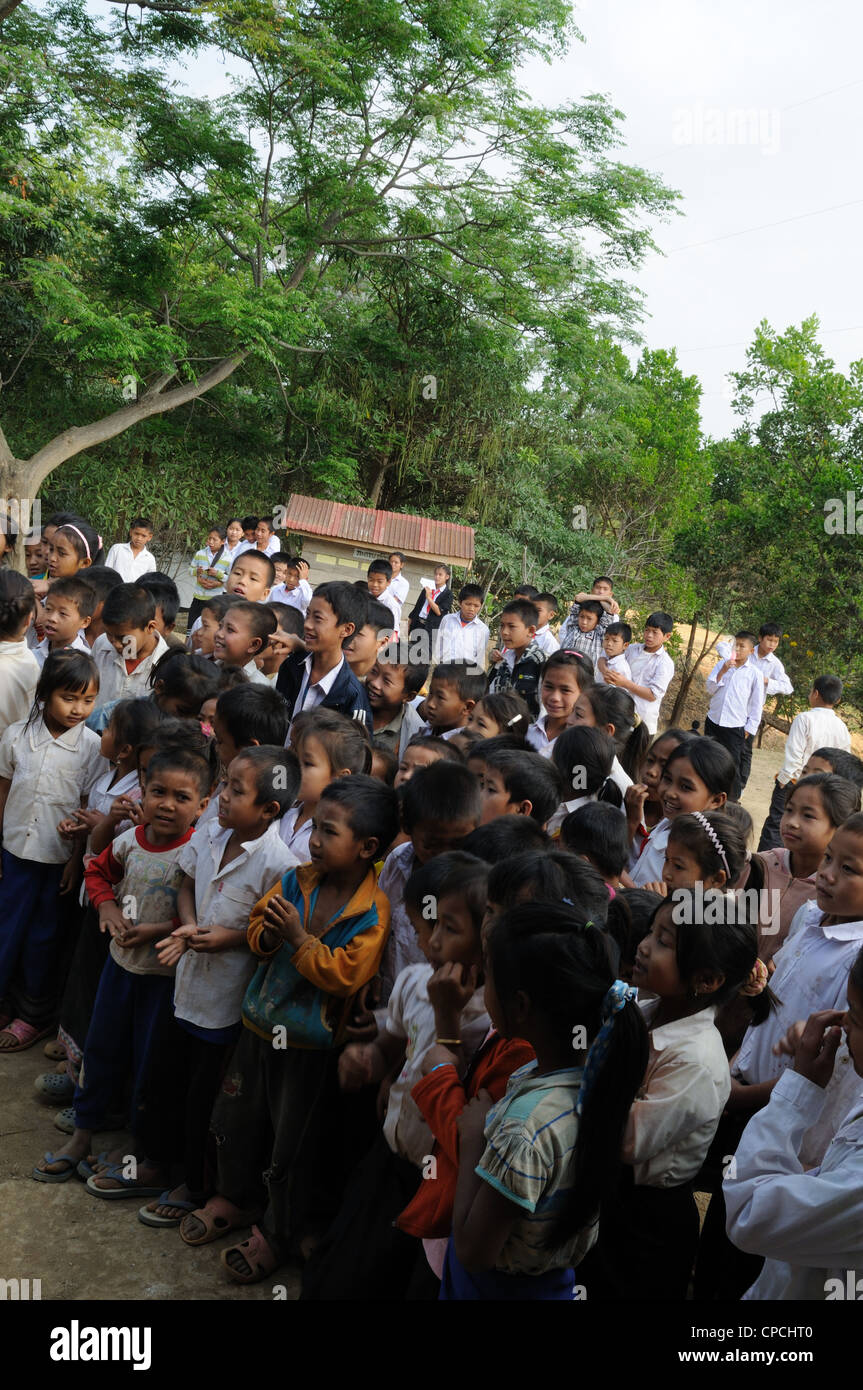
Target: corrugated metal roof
(443,540)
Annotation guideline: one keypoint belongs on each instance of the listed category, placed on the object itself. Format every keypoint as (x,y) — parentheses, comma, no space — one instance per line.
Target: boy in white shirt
(378,579)
(128,649)
(817,727)
(290,590)
(399,584)
(652,669)
(132,559)
(736,688)
(614,646)
(463,636)
(546,606)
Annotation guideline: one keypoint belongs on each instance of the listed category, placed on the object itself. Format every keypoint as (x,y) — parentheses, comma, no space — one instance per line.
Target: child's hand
(633,802)
(170,949)
(657,886)
(282,918)
(451,988)
(111,919)
(361,1025)
(495,655)
(356,1066)
(70,828)
(816,1051)
(140,935)
(71,876)
(790,1041)
(214,938)
(613,677)
(471,1121)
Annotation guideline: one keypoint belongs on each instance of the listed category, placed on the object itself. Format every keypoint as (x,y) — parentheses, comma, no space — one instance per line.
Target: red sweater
(441,1097)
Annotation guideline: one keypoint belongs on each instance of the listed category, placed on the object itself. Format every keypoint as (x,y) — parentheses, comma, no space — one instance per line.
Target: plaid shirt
(522,678)
(572,639)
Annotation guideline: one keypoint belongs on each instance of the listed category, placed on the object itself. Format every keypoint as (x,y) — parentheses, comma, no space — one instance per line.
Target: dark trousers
(722,1272)
(734,741)
(648,1237)
(770,837)
(130,1015)
(746,762)
(29,937)
(82,985)
(194,612)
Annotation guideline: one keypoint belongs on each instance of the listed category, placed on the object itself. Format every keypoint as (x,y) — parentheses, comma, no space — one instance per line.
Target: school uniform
(120,679)
(296,838)
(422,617)
(388,599)
(546,640)
(617,663)
(43,649)
(339,689)
(461,641)
(736,706)
(19,674)
(537,737)
(401,588)
(773,672)
(819,727)
(130,566)
(647,861)
(295,598)
(654,671)
(519,677)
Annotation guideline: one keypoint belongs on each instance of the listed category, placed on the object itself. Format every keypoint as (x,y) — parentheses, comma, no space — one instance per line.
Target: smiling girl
(697,776)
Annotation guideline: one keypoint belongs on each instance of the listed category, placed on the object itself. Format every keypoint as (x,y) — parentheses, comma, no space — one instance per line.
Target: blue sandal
(149,1218)
(68,1172)
(130,1187)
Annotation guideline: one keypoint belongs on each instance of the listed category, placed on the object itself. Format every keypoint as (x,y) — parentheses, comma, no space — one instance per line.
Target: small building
(340,541)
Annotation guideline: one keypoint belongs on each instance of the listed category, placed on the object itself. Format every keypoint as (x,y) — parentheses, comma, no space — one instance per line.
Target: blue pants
(493,1285)
(29,927)
(131,1015)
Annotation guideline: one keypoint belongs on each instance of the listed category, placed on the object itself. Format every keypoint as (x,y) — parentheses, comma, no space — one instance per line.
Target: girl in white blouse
(19,669)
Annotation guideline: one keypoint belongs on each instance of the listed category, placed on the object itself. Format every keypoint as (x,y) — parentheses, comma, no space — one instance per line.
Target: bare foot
(75,1148)
(167,1209)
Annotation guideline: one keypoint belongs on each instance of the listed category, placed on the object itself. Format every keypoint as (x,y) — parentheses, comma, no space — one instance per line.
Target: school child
(500,840)
(615,644)
(166,597)
(564,676)
(435,1004)
(519,669)
(553,877)
(391,685)
(288,589)
(133,885)
(375,633)
(614,711)
(399,583)
(651,668)
(35,558)
(209,569)
(835,760)
(528,591)
(19,669)
(434,602)
(280,560)
(133,559)
(287,638)
(805,1222)
(703,848)
(226,868)
(816,727)
(385,764)
(586,631)
(692,964)
(463,636)
(583,756)
(515,782)
(73,546)
(776,682)
(102,581)
(243,634)
(736,690)
(697,776)
(328,745)
(598,833)
(252,576)
(421,751)
(641,800)
(453,691)
(250,527)
(378,577)
(245,715)
(496,715)
(546,607)
(234,540)
(202,640)
(440,805)
(318,934)
(66,615)
(266,541)
(48,764)
(601,592)
(323,677)
(182,683)
(129,647)
(534,1167)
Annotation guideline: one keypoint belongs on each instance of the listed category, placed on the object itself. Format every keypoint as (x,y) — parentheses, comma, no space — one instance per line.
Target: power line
(765,226)
(717,347)
(818,95)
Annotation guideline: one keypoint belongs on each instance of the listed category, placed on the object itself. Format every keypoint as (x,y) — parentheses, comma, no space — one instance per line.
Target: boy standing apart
(520,669)
(133,559)
(652,669)
(399,584)
(323,677)
(817,727)
(378,579)
(463,636)
(737,691)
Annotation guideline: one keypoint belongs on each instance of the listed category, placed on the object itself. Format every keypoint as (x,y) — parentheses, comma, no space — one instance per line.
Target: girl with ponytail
(535,1167)
(19,669)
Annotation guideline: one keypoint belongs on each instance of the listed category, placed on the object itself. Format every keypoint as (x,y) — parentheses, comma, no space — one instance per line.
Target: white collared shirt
(613,663)
(648,865)
(676,1111)
(814,728)
(769,666)
(79,643)
(210,986)
(537,737)
(50,779)
(115,682)
(19,673)
(307,590)
(400,587)
(254,675)
(297,840)
(389,600)
(458,641)
(294,597)
(655,670)
(128,565)
(737,697)
(546,640)
(310,696)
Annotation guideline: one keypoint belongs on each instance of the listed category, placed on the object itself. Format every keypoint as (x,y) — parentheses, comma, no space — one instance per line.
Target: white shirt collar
(670,1033)
(326,683)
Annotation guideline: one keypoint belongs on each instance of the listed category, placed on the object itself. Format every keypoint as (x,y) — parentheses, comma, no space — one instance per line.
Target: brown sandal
(218,1217)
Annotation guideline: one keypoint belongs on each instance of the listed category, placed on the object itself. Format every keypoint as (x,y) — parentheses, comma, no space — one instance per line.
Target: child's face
(226,748)
(240,809)
(515,633)
(768,644)
(233,643)
(66,708)
(445,708)
(249,578)
(546,612)
(560,690)
(206,634)
(63,558)
(322,631)
(441,578)
(582,712)
(495,797)
(613,644)
(395,564)
(139,536)
(431,838)
(334,846)
(413,760)
(839,880)
(263,532)
(602,589)
(654,638)
(35,556)
(423,926)
(214,541)
(315,770)
(682,790)
(469,608)
(363,648)
(132,643)
(805,827)
(742,650)
(281,570)
(249,533)
(480,720)
(62,620)
(171,802)
(291,578)
(853,1025)
(657,755)
(377,583)
(455,938)
(235,534)
(655,965)
(682,870)
(816,764)
(587,621)
(385,686)
(109,745)
(161,625)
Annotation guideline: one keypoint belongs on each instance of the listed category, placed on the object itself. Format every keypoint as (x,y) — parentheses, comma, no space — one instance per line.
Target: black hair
(613,706)
(265,520)
(165,593)
(603,579)
(58,519)
(253,554)
(470,683)
(465,740)
(509,712)
(711,762)
(442,746)
(422,888)
(288,618)
(741,818)
(744,635)
(185,735)
(527,777)
(844,764)
(471,591)
(277,774)
(253,713)
(249,523)
(466,878)
(855,975)
(630,913)
(102,581)
(83,538)
(381,567)
(591,605)
(590,752)
(78,591)
(135,722)
(197,765)
(551,878)
(403,558)
(229,677)
(68,669)
(770,630)
(839,797)
(382,749)
(717,931)
(17,599)
(345,741)
(829,688)
(688,831)
(600,832)
(379,617)
(505,836)
(350,605)
(260,619)
(548,599)
(144,523)
(571,661)
(399,654)
(372,807)
(524,609)
(662,620)
(284,557)
(526,591)
(440,793)
(185,677)
(442,565)
(552,953)
(219,605)
(619,630)
(129,603)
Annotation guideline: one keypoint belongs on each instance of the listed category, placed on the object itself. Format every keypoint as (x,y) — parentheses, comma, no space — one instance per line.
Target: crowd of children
(435,981)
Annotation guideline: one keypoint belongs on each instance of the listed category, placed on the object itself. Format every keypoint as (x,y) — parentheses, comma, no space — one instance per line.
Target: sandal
(68,1172)
(54,1050)
(130,1187)
(86,1169)
(218,1217)
(54,1085)
(64,1120)
(149,1218)
(258,1256)
(23,1034)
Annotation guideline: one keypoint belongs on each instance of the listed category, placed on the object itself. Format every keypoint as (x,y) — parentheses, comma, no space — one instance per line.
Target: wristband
(448,1042)
(438,1067)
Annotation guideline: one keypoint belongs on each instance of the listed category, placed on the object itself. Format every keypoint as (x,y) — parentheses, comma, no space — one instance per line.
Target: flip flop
(85,1169)
(67,1173)
(258,1256)
(54,1085)
(25,1035)
(130,1188)
(149,1218)
(219,1216)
